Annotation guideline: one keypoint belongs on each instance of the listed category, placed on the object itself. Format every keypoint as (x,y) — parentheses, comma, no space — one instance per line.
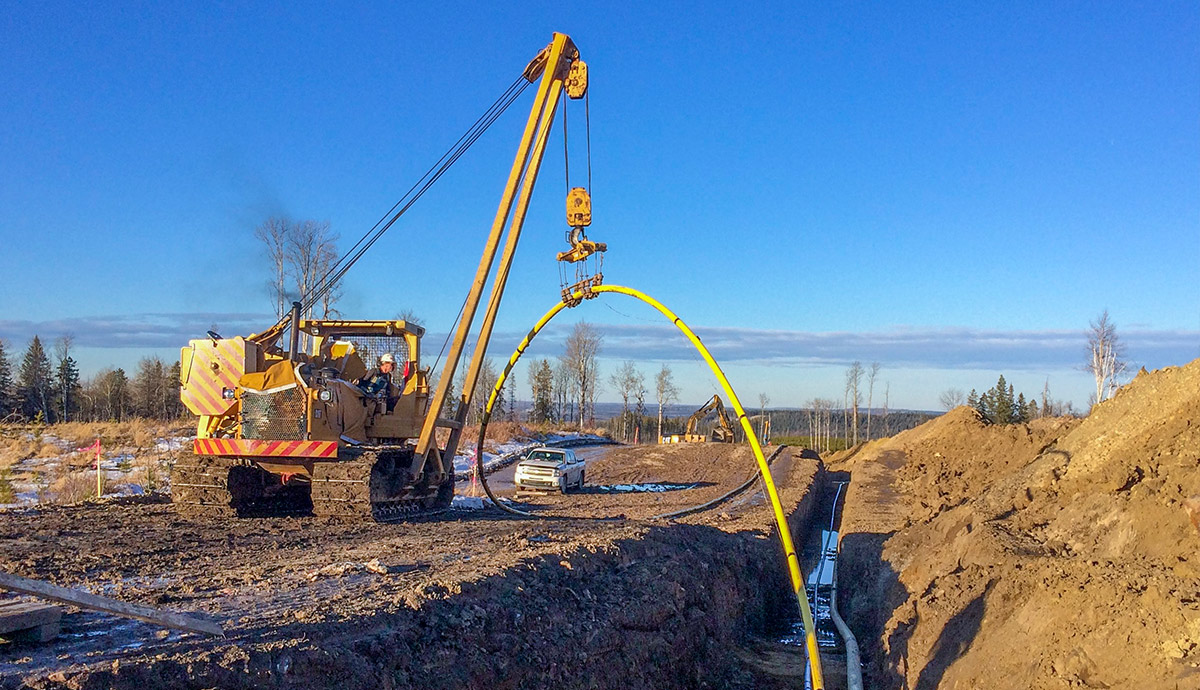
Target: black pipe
(295,343)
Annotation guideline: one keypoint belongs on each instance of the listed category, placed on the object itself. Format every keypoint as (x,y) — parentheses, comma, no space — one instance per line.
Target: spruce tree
(34,383)
(541,380)
(175,407)
(66,388)
(8,401)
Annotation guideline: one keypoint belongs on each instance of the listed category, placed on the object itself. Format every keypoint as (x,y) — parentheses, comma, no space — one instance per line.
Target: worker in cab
(377,383)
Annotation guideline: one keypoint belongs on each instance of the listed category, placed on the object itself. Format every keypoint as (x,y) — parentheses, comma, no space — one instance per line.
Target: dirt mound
(1055,554)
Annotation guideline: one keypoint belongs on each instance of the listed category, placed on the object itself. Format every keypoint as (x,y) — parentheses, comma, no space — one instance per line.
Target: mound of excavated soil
(1056,554)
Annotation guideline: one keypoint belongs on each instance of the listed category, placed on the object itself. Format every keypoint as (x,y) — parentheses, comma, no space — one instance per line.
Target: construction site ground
(468,599)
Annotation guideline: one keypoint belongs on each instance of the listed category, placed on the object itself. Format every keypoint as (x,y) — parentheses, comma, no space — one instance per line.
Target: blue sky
(951,191)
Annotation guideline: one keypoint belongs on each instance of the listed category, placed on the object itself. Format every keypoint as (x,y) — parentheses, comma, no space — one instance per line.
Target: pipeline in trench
(839,648)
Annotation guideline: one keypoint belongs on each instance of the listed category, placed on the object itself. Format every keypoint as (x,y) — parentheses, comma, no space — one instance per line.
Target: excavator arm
(724,430)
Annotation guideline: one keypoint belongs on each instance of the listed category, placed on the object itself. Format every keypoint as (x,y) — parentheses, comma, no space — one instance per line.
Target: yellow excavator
(721,433)
(285,425)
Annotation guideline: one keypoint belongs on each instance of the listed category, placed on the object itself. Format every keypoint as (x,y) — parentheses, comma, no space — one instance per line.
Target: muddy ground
(1058,554)
(464,600)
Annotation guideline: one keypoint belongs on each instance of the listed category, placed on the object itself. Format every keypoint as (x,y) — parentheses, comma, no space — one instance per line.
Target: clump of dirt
(1061,553)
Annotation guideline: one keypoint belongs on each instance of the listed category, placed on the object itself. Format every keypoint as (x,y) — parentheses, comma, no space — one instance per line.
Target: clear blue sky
(951,191)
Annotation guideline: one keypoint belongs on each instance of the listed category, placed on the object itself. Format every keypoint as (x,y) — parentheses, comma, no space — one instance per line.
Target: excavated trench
(465,601)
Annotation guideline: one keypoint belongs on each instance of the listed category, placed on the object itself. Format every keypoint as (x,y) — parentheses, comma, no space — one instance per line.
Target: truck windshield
(545,455)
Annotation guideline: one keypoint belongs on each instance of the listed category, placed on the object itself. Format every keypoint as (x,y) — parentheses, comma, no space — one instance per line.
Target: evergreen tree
(973,401)
(541,384)
(150,392)
(175,408)
(66,387)
(1022,410)
(8,396)
(34,383)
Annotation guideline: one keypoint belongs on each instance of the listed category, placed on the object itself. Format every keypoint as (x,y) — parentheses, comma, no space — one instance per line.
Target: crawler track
(369,484)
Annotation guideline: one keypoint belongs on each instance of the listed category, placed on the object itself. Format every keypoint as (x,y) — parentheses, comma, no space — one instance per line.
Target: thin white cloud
(947,348)
(134,330)
(944,348)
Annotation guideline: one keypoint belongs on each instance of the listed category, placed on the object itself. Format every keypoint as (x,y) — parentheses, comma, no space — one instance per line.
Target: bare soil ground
(468,600)
(1057,554)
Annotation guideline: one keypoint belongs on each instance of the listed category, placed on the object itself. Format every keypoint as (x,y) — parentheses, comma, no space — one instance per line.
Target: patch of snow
(164,445)
(470,503)
(653,488)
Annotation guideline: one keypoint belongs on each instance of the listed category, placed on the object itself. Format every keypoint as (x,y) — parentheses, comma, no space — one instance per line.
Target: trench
(784,653)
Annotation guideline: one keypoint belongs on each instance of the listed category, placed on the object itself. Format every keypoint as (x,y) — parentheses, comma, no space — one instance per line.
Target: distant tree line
(44,390)
(998,404)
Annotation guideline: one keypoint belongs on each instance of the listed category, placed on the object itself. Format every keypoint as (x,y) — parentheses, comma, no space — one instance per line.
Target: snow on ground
(510,452)
(125,468)
(649,488)
(33,479)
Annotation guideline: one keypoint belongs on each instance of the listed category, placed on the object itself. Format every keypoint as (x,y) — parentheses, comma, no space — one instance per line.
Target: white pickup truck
(550,468)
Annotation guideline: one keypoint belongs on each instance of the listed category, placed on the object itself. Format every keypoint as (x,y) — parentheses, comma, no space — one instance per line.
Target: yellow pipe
(785,534)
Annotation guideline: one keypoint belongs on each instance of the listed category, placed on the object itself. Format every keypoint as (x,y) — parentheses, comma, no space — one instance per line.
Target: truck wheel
(562,484)
(581,479)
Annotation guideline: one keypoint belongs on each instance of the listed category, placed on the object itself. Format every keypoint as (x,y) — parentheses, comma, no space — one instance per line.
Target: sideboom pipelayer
(286,430)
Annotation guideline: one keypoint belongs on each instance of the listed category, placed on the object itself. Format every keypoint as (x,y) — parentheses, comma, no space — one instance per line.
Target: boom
(558,66)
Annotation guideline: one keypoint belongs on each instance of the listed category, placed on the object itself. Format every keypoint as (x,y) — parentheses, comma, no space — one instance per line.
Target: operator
(377,382)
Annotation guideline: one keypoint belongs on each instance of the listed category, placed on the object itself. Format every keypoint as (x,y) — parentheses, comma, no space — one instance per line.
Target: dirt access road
(465,600)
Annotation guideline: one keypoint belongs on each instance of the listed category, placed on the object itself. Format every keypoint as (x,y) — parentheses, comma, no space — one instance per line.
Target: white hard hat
(387,357)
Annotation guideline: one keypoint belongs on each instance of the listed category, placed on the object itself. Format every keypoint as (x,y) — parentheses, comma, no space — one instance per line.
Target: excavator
(283,426)
(721,433)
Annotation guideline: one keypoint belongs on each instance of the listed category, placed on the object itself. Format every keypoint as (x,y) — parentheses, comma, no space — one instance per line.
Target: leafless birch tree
(665,392)
(872,374)
(1106,356)
(853,381)
(273,233)
(627,380)
(583,346)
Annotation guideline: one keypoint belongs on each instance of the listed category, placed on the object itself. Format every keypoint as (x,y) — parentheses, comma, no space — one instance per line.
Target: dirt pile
(1056,554)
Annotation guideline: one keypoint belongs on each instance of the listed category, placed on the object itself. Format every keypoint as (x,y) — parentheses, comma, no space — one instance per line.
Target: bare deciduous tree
(583,346)
(304,251)
(1106,356)
(853,381)
(763,400)
(273,233)
(665,392)
(951,398)
(872,374)
(626,380)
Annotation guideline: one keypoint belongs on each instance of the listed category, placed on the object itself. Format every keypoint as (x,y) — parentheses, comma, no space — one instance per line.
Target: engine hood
(551,464)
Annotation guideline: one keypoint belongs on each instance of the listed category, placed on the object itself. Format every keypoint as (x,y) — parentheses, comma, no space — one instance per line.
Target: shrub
(73,487)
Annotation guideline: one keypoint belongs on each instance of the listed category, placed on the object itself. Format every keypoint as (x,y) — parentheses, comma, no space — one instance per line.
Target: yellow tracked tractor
(288,427)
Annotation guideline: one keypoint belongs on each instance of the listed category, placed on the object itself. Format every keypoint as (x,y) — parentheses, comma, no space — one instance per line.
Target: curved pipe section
(785,534)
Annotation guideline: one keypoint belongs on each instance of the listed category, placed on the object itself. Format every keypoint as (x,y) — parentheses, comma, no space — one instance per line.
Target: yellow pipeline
(785,534)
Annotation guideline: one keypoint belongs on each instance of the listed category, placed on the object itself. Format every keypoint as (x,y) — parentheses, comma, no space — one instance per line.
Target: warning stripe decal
(203,391)
(256,448)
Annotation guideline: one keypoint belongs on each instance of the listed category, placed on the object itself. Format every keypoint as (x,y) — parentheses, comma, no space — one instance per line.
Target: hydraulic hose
(785,533)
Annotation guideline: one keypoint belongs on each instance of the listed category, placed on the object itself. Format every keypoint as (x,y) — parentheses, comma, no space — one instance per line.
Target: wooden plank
(29,622)
(87,600)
